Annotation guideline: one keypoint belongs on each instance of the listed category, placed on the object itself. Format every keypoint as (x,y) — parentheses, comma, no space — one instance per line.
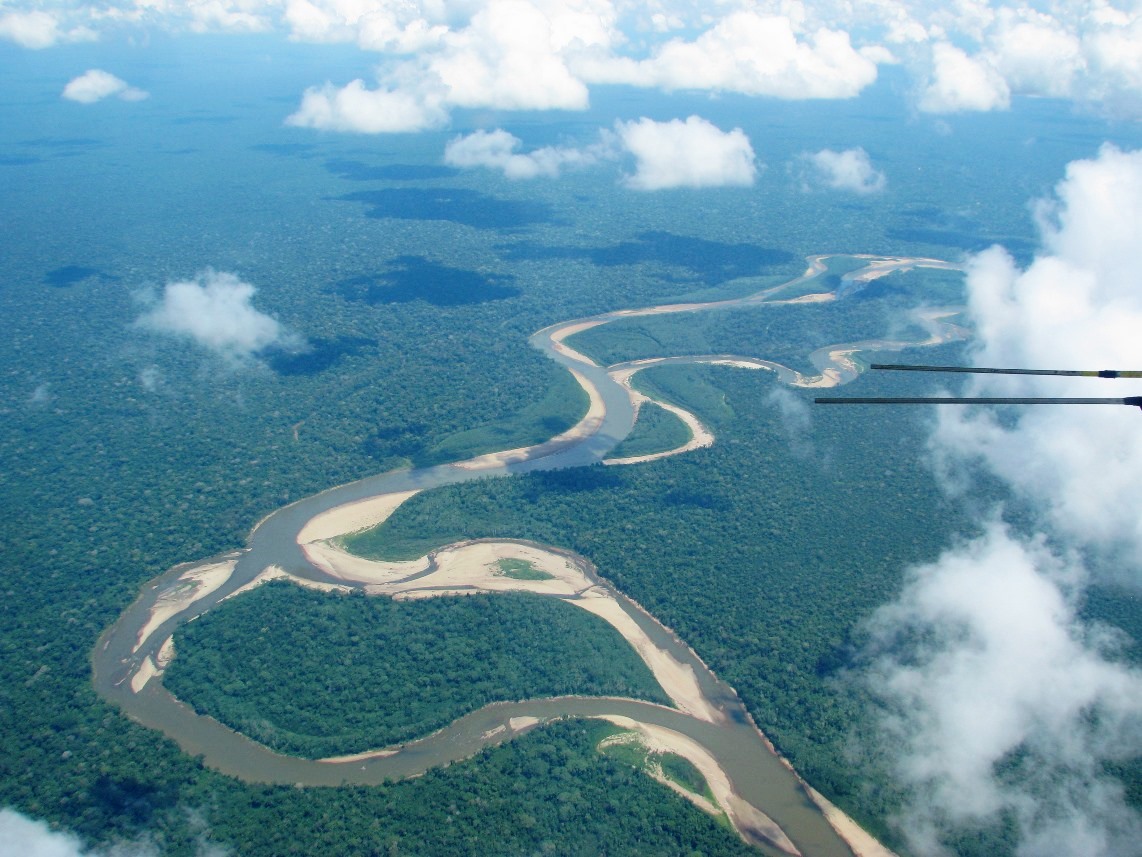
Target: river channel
(757,773)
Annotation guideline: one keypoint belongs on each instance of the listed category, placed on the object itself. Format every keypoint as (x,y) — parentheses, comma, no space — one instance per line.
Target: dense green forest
(124,454)
(764,552)
(313,674)
(657,430)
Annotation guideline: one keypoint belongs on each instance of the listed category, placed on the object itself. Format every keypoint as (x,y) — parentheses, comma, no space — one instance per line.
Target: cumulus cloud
(95,85)
(508,55)
(362,110)
(215,311)
(1000,700)
(998,697)
(543,54)
(37,29)
(746,52)
(960,82)
(694,153)
(850,170)
(497,150)
(1078,305)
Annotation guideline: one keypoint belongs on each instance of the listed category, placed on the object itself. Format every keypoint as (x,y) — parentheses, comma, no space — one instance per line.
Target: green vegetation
(521,569)
(776,332)
(547,792)
(657,430)
(680,770)
(626,747)
(314,674)
(764,552)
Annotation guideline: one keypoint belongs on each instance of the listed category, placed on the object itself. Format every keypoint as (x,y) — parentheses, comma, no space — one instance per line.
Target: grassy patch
(680,770)
(521,569)
(626,747)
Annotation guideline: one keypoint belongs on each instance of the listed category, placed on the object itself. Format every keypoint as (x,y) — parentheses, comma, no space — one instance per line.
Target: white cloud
(367,111)
(509,55)
(497,150)
(693,153)
(746,52)
(25,836)
(37,29)
(95,85)
(981,657)
(1035,53)
(960,83)
(215,311)
(984,658)
(543,54)
(850,170)
(1078,305)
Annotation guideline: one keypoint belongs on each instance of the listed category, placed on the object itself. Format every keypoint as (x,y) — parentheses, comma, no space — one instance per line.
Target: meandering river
(132,646)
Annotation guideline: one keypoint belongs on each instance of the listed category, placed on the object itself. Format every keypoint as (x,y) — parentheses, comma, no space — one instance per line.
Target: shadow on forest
(572,480)
(69,275)
(125,798)
(207,119)
(456,205)
(359,172)
(62,147)
(287,150)
(414,278)
(933,225)
(317,356)
(712,262)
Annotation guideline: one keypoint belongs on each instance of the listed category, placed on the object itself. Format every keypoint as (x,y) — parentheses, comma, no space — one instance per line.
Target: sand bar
(471,567)
(358,757)
(191,586)
(146,671)
(352,517)
(337,562)
(855,836)
(744,817)
(587,426)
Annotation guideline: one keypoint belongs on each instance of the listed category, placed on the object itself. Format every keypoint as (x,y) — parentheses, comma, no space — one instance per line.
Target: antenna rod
(1097,373)
(1132,401)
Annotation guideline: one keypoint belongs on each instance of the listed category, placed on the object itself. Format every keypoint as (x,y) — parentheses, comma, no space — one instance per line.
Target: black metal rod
(1081,373)
(1133,401)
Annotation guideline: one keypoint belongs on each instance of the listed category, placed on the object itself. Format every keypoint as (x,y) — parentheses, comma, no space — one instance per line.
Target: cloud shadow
(317,356)
(69,275)
(456,205)
(710,262)
(360,172)
(412,278)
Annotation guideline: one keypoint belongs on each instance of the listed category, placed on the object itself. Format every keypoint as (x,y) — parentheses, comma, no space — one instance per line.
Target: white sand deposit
(741,813)
(855,836)
(191,586)
(587,426)
(352,517)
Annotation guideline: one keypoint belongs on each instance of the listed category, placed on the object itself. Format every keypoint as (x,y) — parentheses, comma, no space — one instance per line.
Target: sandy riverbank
(471,567)
(587,426)
(352,517)
(749,821)
(700,436)
(191,586)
